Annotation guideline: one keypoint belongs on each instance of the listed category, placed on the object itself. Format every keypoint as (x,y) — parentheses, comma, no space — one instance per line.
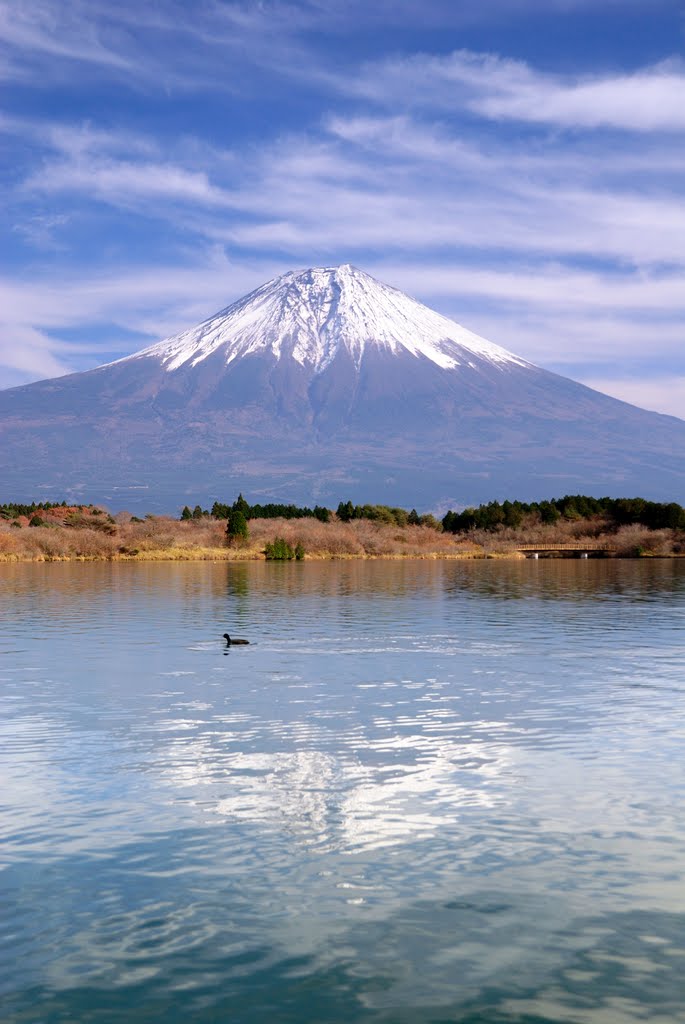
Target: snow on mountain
(310,315)
(323,385)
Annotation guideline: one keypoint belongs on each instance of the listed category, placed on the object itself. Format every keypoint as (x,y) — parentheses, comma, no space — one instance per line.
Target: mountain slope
(323,385)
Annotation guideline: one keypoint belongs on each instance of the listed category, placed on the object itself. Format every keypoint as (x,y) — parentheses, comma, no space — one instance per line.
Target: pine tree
(345,511)
(236,527)
(240,505)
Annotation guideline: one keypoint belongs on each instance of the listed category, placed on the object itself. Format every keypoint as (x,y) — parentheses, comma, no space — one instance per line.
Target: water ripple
(427,791)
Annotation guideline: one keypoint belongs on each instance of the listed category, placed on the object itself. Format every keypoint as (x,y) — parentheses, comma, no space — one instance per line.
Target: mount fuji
(325,385)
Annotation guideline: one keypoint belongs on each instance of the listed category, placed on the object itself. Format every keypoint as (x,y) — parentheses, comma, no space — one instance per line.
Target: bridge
(579,550)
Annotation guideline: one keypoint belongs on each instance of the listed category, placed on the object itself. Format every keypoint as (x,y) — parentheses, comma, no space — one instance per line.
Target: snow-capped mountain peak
(309,315)
(347,389)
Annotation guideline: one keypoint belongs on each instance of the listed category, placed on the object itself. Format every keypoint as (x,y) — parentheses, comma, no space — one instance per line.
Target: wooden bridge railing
(563,547)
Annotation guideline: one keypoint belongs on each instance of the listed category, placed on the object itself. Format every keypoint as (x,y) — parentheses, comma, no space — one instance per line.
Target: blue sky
(516,164)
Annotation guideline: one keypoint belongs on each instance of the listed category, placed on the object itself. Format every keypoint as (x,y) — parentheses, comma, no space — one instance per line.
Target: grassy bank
(159,538)
(89,533)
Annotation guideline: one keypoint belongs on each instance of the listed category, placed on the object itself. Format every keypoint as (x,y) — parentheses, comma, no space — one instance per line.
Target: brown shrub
(9,542)
(164,537)
(639,540)
(357,538)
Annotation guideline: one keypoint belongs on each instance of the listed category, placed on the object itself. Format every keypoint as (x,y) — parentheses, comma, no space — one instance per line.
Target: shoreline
(218,556)
(187,555)
(89,534)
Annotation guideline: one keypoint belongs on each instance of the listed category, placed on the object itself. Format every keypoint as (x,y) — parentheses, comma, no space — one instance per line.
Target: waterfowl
(231,642)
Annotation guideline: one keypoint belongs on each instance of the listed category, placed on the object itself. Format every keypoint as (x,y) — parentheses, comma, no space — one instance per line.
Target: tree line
(346,512)
(492,516)
(655,515)
(271,510)
(14,509)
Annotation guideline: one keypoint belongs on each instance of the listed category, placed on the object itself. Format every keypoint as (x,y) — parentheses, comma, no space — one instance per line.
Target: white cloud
(579,343)
(123,183)
(546,287)
(155,48)
(40,230)
(128,297)
(29,354)
(648,100)
(659,394)
(390,182)
(62,31)
(395,185)
(153,301)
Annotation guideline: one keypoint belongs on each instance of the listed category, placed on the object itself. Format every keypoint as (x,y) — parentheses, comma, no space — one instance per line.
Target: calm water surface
(428,792)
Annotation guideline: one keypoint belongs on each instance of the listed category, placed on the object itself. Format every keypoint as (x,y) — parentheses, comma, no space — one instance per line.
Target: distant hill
(327,384)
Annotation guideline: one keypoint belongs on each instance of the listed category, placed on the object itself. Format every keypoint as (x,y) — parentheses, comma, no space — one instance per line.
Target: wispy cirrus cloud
(660,394)
(147,301)
(650,99)
(221,46)
(384,181)
(417,189)
(59,31)
(28,353)
(126,183)
(120,169)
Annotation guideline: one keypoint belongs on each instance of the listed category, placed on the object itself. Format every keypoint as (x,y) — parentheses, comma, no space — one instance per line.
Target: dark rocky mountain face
(322,386)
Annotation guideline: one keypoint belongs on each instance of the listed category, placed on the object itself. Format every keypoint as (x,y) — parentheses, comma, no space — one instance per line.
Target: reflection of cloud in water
(344,804)
(445,803)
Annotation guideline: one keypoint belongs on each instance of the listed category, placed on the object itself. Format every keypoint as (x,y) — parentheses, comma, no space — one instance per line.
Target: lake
(426,792)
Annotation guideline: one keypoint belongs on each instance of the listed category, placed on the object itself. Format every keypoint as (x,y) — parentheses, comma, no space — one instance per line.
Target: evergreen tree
(549,513)
(278,550)
(345,511)
(240,505)
(513,513)
(236,527)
